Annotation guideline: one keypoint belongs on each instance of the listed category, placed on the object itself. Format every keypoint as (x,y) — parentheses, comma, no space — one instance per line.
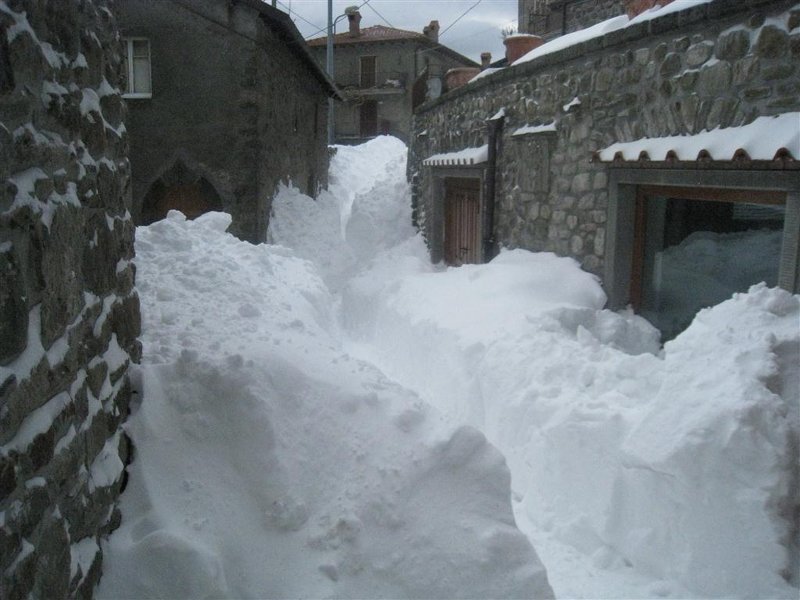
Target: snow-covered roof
(766,138)
(467,156)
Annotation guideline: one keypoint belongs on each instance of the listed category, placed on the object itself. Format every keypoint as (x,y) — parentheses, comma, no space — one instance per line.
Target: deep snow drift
(272,462)
(637,472)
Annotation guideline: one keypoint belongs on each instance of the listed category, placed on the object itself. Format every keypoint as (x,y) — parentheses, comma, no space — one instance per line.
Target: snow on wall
(68,317)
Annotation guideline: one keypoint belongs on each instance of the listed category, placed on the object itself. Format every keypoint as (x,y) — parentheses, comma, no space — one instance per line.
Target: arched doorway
(179,189)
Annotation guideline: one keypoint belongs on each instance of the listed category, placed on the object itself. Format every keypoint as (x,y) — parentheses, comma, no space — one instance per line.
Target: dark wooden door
(462,225)
(188,198)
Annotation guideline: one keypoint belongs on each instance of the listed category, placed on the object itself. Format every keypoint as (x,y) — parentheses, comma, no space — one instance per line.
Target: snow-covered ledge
(766,138)
(467,156)
(535,129)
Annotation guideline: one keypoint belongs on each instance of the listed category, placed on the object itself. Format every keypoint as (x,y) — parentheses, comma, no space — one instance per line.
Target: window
(678,240)
(136,68)
(368,66)
(696,253)
(368,118)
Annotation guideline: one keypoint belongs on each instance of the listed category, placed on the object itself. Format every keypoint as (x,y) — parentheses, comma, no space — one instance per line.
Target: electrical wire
(322,29)
(464,14)
(380,15)
(299,16)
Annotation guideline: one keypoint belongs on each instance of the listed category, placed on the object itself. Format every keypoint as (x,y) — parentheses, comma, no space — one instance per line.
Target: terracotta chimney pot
(455,78)
(520,44)
(486,60)
(634,8)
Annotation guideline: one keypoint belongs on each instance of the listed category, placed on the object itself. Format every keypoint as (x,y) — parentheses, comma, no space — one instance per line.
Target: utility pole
(329,68)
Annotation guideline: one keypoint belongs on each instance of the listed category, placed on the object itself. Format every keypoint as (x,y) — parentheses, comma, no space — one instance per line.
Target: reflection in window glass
(699,253)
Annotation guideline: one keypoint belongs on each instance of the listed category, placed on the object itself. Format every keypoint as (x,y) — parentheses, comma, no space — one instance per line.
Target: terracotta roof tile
(376,33)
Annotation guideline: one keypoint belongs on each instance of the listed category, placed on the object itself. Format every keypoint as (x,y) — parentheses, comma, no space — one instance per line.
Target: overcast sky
(477,31)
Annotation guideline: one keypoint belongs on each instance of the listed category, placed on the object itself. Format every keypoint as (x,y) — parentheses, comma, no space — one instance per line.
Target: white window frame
(128,43)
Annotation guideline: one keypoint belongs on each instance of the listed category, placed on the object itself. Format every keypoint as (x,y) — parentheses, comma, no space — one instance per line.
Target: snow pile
(269,463)
(297,442)
(352,220)
(680,466)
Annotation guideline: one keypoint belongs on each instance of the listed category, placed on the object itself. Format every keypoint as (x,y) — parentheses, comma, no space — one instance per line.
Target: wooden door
(462,225)
(188,198)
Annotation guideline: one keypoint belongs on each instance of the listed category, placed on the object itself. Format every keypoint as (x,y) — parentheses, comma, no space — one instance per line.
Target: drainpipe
(329,69)
(495,131)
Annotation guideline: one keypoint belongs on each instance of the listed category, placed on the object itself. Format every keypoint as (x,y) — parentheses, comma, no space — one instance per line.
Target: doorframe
(436,232)
(469,186)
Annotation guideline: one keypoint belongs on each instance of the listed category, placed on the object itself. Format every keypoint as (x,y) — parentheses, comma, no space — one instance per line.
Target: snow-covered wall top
(69,315)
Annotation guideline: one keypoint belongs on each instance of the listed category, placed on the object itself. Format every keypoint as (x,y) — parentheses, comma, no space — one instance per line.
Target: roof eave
(295,41)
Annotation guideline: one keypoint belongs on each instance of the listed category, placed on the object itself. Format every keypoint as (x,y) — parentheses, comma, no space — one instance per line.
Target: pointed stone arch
(179,188)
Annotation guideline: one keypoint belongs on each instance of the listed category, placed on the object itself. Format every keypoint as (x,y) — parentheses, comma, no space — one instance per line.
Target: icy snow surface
(310,417)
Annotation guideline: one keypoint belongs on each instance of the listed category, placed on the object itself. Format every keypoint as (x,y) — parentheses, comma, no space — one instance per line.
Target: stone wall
(581,14)
(232,103)
(719,64)
(69,315)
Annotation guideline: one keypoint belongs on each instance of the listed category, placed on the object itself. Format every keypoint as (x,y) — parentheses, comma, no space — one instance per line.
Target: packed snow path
(301,427)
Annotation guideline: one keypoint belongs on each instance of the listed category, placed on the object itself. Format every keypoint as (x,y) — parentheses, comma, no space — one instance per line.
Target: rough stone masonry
(69,315)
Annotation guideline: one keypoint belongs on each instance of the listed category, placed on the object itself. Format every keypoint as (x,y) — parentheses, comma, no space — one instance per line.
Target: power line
(321,29)
(464,14)
(380,15)
(299,16)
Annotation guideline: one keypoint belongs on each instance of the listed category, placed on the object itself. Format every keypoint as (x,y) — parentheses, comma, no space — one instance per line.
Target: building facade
(383,74)
(630,151)
(225,102)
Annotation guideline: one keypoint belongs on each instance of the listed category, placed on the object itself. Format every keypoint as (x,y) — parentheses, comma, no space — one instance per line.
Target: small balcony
(380,83)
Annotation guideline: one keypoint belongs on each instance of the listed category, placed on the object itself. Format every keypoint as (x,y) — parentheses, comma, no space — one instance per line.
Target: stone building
(597,146)
(384,73)
(69,315)
(225,102)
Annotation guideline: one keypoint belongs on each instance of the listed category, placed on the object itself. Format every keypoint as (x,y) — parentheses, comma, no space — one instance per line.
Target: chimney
(432,31)
(486,60)
(519,45)
(354,18)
